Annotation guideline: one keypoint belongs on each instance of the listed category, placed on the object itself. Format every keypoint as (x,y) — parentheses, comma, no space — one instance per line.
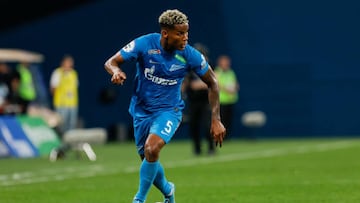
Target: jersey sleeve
(197,62)
(132,50)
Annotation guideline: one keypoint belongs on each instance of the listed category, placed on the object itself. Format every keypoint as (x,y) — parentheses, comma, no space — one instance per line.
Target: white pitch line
(49,172)
(253,155)
(84,172)
(48,175)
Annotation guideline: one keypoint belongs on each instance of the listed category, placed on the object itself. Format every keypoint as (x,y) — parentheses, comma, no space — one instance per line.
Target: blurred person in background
(15,103)
(27,91)
(199,110)
(64,84)
(10,100)
(4,83)
(229,88)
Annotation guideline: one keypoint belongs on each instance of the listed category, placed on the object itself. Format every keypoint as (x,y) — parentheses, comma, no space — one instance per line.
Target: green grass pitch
(264,171)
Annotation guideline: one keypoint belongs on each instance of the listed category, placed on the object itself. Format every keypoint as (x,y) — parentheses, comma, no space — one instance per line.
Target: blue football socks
(160,181)
(148,172)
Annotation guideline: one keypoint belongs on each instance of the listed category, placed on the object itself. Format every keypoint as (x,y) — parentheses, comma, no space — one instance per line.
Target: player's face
(177,38)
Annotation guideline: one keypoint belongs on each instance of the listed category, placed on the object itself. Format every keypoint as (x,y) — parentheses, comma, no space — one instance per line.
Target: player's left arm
(217,129)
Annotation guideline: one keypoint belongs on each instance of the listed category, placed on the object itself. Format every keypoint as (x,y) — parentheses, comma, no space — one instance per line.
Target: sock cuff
(151,163)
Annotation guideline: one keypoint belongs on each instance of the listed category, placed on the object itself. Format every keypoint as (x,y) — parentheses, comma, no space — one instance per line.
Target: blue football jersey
(159,74)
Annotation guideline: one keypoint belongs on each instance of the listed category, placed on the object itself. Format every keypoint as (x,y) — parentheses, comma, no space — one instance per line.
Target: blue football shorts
(163,124)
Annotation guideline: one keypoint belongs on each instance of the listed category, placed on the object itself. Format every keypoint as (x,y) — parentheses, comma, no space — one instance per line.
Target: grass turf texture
(316,170)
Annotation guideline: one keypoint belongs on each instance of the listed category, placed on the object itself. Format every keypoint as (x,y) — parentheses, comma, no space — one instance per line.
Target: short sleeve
(132,50)
(197,62)
(55,79)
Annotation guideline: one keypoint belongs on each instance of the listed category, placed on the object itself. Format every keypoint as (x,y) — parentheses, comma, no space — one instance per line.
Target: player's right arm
(129,52)
(112,66)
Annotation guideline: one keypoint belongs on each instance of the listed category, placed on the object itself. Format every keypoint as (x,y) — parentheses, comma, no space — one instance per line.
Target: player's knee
(152,152)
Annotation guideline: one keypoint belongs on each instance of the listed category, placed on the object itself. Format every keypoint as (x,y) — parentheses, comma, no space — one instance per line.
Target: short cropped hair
(169,18)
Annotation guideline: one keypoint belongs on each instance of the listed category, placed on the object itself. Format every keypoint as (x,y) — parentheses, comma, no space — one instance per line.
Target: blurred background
(297,62)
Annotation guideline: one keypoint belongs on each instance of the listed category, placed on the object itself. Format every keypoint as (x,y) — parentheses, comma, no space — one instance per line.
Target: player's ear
(164,33)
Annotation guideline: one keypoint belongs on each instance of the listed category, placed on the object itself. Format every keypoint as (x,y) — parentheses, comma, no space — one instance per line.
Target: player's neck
(164,44)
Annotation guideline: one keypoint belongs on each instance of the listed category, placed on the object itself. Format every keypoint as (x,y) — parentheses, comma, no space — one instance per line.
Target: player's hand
(118,77)
(218,131)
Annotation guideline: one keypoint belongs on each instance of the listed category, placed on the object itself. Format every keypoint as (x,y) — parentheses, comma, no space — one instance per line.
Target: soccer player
(163,59)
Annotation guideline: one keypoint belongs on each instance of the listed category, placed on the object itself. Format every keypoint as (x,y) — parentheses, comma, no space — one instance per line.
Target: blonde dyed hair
(169,18)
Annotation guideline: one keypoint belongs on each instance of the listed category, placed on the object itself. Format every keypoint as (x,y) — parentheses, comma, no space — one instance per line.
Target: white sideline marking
(47,175)
(61,174)
(253,155)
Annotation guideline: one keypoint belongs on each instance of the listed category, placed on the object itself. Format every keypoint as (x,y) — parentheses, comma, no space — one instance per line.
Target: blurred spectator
(4,85)
(199,110)
(26,89)
(64,89)
(229,88)
(4,82)
(10,100)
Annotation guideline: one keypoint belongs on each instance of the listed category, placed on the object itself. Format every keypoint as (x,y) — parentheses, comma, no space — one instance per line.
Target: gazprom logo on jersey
(149,74)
